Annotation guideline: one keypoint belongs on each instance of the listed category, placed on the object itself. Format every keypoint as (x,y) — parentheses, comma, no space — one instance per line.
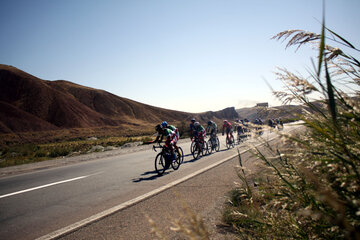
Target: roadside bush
(312,188)
(59,152)
(40,154)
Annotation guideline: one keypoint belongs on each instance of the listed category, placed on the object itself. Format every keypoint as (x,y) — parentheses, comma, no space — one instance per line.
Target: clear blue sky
(187,55)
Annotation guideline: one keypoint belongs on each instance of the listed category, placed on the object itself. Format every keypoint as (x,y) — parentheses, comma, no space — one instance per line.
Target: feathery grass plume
(190,224)
(187,223)
(299,37)
(311,186)
(155,229)
(243,176)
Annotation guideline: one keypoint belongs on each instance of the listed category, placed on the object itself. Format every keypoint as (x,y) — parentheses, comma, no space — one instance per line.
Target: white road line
(43,186)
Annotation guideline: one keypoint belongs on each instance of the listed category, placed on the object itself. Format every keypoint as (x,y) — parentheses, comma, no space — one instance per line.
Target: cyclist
(228,127)
(170,138)
(271,123)
(212,129)
(192,128)
(281,122)
(200,132)
(239,129)
(164,124)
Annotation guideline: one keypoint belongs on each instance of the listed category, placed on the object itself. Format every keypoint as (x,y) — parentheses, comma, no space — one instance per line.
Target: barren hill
(28,103)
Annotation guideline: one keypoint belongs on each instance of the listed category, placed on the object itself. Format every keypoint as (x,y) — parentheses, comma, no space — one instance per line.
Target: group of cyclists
(198,133)
(277,122)
(172,134)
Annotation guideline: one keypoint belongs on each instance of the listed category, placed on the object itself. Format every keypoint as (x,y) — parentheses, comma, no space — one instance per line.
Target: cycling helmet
(209,122)
(158,128)
(193,120)
(196,124)
(225,121)
(164,124)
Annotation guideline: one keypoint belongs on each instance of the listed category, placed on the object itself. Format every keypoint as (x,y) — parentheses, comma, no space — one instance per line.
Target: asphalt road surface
(38,203)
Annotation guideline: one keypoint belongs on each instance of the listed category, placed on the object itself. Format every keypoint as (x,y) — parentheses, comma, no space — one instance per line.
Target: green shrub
(58,152)
(40,154)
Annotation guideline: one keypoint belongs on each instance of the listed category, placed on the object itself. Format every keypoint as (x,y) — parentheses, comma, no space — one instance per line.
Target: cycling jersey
(239,129)
(177,133)
(172,128)
(167,133)
(227,125)
(199,129)
(200,132)
(211,127)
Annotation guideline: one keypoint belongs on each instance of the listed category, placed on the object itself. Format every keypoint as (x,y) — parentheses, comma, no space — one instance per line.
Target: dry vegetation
(310,189)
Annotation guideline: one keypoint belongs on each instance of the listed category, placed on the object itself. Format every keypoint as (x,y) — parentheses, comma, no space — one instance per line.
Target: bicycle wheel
(192,147)
(160,164)
(181,155)
(228,143)
(210,146)
(217,147)
(176,164)
(204,149)
(195,151)
(232,144)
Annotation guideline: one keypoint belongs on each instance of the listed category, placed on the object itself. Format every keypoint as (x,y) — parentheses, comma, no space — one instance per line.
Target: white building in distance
(264,104)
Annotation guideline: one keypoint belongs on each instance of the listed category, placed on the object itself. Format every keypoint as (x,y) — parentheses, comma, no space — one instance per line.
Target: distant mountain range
(30,104)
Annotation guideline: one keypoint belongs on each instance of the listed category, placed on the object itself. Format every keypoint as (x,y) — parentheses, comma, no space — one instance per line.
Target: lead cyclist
(175,138)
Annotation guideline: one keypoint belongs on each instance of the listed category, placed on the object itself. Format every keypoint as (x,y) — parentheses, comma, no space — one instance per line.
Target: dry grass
(310,189)
(31,152)
(186,223)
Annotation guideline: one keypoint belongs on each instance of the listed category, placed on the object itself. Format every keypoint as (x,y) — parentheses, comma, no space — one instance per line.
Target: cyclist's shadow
(154,175)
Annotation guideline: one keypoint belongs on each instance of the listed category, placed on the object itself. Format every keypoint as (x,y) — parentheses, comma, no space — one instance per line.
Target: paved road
(37,203)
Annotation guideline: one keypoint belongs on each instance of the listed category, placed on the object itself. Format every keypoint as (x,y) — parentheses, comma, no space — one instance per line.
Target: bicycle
(163,160)
(198,148)
(230,142)
(213,144)
(241,137)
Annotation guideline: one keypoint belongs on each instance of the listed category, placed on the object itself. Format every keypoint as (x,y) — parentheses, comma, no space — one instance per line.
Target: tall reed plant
(311,189)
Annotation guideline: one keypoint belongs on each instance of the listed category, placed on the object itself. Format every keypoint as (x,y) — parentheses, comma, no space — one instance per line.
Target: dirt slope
(28,103)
